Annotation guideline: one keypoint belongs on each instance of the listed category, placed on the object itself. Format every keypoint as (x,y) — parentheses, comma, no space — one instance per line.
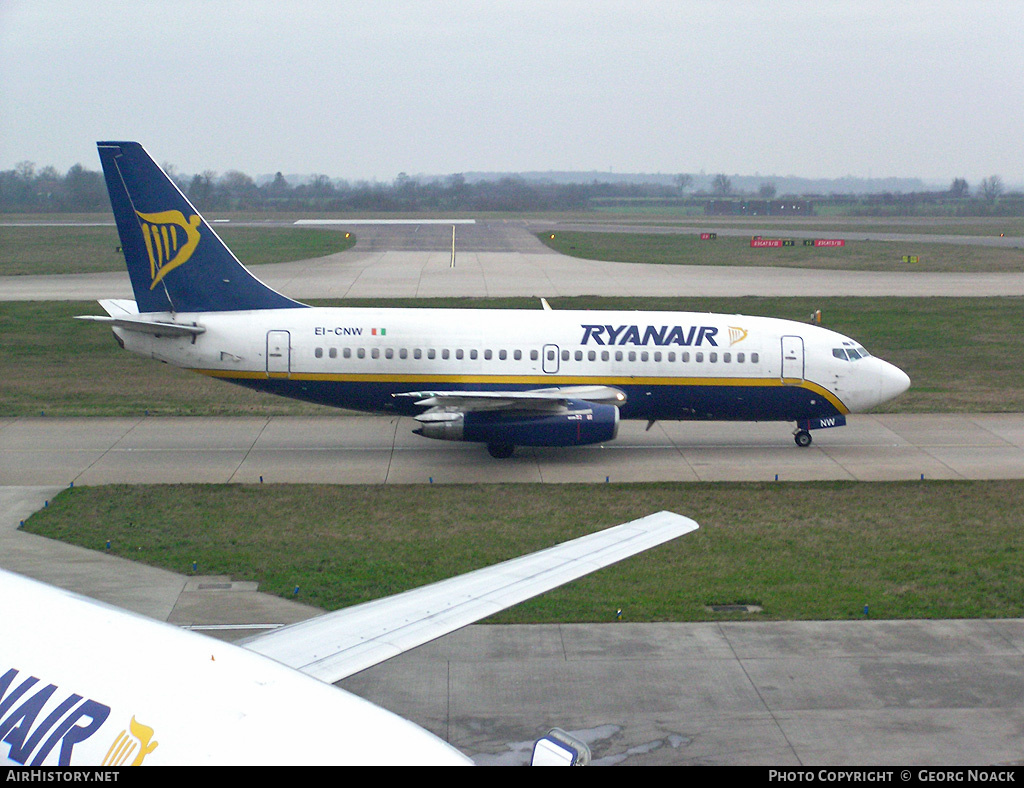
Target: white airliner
(499,377)
(86,684)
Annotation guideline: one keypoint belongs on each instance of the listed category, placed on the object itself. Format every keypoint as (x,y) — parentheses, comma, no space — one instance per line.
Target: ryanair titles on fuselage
(23,700)
(689,336)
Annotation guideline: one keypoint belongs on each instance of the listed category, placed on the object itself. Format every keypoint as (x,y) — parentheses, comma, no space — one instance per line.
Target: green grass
(53,364)
(43,250)
(688,249)
(943,549)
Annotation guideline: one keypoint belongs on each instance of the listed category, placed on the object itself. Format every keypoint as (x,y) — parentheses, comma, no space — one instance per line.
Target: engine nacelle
(582,423)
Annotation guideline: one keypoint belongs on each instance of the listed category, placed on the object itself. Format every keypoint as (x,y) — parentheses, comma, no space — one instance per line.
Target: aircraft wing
(549,399)
(339,644)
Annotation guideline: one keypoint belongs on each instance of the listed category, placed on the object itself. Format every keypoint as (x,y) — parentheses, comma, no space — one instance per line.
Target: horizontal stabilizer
(347,641)
(156,327)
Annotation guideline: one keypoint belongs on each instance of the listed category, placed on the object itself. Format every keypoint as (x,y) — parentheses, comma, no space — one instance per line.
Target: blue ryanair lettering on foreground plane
(499,377)
(32,735)
(651,335)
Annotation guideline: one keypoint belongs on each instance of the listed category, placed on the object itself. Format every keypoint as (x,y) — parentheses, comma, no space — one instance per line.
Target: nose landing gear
(802,437)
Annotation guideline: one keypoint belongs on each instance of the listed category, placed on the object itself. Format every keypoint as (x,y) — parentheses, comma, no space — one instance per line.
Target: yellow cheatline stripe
(545,381)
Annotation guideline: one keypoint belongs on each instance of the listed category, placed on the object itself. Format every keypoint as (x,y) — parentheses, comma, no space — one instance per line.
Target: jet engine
(577,424)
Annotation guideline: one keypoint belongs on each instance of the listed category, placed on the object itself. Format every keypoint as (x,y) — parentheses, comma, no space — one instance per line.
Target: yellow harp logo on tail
(170,240)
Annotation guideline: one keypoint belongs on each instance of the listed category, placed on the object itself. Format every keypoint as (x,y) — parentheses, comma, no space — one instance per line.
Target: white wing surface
(550,399)
(339,644)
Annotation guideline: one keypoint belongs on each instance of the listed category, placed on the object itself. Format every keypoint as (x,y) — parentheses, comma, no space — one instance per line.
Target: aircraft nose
(893,382)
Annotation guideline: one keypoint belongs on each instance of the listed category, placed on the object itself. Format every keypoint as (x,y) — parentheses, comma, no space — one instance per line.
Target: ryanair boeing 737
(499,377)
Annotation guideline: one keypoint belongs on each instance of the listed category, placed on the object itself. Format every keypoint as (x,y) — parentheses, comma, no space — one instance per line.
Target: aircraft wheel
(802,438)
(500,451)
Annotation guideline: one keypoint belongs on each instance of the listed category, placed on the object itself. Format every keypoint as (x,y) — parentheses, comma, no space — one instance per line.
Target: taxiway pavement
(347,449)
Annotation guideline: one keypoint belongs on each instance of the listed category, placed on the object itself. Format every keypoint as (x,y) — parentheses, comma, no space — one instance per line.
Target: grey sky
(370,89)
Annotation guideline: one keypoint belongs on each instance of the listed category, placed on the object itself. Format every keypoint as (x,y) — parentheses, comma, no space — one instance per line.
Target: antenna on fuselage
(546,306)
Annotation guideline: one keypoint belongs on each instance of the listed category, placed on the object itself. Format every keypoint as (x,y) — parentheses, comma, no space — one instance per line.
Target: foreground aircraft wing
(339,644)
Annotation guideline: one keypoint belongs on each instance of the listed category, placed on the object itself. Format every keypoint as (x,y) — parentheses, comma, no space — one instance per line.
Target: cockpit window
(850,353)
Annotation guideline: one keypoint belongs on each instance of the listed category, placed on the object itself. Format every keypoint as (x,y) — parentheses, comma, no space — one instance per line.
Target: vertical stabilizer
(176,262)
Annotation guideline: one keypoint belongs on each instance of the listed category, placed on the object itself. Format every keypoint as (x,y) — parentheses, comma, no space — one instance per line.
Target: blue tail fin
(175,260)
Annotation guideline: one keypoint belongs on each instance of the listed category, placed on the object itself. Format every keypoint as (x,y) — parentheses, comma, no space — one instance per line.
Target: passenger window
(685,358)
(739,358)
(375,353)
(671,356)
(565,355)
(518,355)
(473,354)
(632,355)
(417,353)
(726,358)
(361,352)
(712,357)
(533,355)
(698,357)
(487,355)
(502,355)
(605,355)
(753,358)
(618,355)
(591,355)
(389,353)
(347,353)
(431,353)
(445,354)
(458,354)
(643,356)
(403,353)
(319,352)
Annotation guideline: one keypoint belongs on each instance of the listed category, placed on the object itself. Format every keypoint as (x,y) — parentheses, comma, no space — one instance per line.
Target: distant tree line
(25,189)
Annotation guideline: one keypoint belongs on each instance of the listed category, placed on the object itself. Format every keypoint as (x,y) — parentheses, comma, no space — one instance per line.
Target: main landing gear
(802,438)
(500,451)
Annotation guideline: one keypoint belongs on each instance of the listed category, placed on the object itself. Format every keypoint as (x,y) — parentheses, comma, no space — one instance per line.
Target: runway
(787,694)
(504,258)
